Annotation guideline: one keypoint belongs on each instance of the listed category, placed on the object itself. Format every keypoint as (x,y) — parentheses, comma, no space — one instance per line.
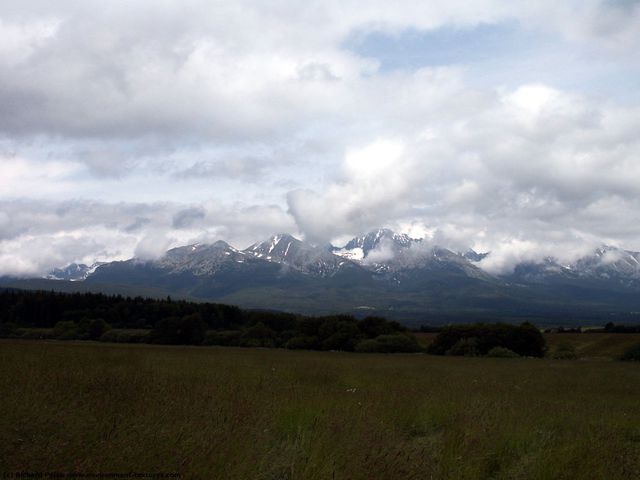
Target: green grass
(233,413)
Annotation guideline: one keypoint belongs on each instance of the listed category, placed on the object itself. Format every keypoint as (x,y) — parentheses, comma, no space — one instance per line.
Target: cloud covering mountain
(131,128)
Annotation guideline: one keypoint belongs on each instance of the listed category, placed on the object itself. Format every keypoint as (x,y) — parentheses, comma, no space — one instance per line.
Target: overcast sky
(130,127)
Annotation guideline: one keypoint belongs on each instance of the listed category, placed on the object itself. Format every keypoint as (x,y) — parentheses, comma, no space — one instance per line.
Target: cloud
(530,173)
(161,70)
(247,169)
(373,182)
(37,236)
(187,217)
(152,246)
(148,121)
(382,253)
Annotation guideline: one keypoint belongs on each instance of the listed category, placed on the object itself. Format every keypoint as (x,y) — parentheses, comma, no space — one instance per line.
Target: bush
(112,336)
(33,333)
(632,354)
(466,347)
(259,334)
(65,330)
(341,341)
(501,352)
(227,338)
(374,327)
(564,351)
(258,342)
(399,343)
(97,328)
(367,346)
(125,336)
(479,339)
(7,329)
(305,342)
(188,330)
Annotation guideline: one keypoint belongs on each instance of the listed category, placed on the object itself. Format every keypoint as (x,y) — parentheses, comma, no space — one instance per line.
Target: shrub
(632,354)
(258,342)
(227,338)
(66,330)
(97,328)
(305,342)
(397,343)
(125,336)
(188,330)
(341,341)
(564,351)
(193,329)
(112,336)
(501,352)
(33,333)
(367,346)
(373,326)
(258,335)
(467,347)
(7,329)
(479,339)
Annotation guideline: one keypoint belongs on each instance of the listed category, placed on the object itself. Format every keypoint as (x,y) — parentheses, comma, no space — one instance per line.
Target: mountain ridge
(381,272)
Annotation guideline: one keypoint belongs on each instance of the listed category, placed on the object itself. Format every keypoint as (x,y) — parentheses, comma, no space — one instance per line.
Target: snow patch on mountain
(384,254)
(304,257)
(73,272)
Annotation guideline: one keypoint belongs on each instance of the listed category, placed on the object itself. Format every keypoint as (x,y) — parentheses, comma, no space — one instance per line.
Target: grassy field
(233,413)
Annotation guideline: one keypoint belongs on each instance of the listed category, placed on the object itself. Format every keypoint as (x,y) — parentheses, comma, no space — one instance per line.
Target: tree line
(114,318)
(94,316)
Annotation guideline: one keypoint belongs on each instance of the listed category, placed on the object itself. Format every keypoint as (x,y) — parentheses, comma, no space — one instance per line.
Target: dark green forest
(91,316)
(116,318)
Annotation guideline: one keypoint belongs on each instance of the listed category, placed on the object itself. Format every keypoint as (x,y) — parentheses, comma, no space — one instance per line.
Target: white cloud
(21,40)
(180,121)
(153,245)
(382,253)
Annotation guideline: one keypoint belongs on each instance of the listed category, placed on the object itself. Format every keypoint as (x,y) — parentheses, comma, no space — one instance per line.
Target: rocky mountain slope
(383,272)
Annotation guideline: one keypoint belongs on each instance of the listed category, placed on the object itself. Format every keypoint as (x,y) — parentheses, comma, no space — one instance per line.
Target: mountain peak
(359,248)
(276,246)
(307,258)
(73,272)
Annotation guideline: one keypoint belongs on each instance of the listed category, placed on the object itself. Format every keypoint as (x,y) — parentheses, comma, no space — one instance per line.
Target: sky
(130,127)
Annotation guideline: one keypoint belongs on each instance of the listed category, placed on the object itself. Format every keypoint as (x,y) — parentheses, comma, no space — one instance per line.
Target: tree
(398,343)
(97,328)
(525,339)
(188,330)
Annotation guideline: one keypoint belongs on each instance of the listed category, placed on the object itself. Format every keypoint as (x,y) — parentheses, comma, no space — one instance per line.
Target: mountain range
(382,272)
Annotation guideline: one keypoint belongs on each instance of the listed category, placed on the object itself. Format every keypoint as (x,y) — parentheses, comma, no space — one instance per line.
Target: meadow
(252,413)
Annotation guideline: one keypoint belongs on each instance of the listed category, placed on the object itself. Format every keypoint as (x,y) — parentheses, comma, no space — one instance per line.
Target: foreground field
(210,413)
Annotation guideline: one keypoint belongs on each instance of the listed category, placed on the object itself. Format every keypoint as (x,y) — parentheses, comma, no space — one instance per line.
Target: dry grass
(273,414)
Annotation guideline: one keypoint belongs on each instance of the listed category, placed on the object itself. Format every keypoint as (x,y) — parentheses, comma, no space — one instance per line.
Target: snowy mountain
(383,243)
(73,272)
(399,257)
(382,271)
(201,259)
(383,253)
(304,257)
(607,264)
